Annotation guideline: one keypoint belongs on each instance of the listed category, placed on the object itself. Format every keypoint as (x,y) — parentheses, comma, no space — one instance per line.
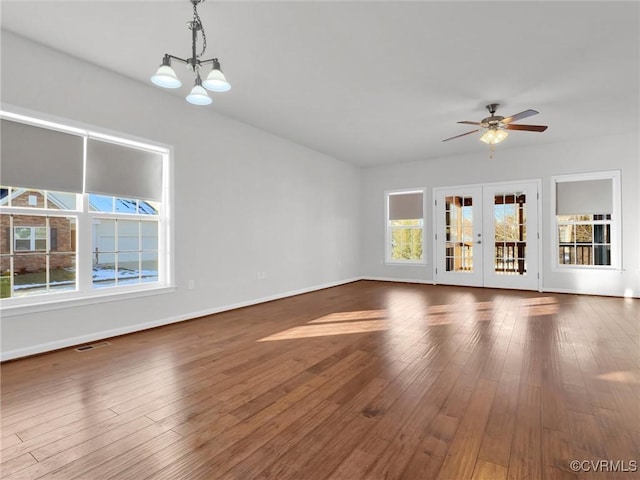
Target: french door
(487,235)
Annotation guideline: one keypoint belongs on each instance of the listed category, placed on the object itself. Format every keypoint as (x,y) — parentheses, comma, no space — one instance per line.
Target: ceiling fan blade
(462,135)
(467,122)
(528,128)
(520,116)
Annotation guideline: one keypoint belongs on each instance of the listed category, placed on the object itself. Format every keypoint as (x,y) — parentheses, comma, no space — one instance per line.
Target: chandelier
(216,82)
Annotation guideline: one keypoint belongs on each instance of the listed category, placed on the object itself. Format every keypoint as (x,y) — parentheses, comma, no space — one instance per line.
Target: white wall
(245,201)
(611,153)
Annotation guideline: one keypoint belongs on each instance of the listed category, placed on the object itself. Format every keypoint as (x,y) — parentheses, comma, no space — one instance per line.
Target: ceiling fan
(496,126)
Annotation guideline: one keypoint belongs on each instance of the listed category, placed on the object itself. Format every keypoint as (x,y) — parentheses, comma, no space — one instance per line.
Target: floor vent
(93,346)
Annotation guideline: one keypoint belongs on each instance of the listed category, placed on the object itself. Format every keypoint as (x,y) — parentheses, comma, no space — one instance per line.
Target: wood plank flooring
(370,380)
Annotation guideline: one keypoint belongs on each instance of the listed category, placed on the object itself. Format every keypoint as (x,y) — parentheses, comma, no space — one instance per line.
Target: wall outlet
(191,285)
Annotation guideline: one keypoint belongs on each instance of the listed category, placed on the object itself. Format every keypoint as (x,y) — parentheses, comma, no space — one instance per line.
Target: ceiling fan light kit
(494,135)
(495,126)
(166,77)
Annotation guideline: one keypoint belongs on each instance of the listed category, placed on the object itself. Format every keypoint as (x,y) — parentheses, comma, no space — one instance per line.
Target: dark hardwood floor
(368,380)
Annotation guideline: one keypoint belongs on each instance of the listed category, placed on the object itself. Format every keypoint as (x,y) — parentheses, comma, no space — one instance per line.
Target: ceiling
(373,83)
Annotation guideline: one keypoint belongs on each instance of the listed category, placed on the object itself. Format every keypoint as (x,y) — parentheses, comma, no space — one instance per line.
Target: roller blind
(123,171)
(405,206)
(40,158)
(584,197)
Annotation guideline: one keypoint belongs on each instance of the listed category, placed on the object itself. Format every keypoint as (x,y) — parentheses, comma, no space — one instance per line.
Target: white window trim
(387,229)
(85,295)
(616,220)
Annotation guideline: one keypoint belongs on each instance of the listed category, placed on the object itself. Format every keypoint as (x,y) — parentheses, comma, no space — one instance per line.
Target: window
(29,238)
(584,239)
(587,220)
(405,227)
(105,233)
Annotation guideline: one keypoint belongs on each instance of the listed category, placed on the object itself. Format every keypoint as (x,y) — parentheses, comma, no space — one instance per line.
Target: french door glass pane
(459,234)
(510,233)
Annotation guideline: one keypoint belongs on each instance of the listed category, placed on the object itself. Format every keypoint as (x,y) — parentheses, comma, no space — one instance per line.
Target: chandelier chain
(197,24)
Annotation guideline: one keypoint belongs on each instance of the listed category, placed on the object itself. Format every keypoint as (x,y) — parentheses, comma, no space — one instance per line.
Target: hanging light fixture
(494,135)
(216,82)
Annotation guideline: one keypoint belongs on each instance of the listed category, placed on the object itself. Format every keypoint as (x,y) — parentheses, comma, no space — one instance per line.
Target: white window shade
(584,197)
(123,171)
(405,206)
(40,158)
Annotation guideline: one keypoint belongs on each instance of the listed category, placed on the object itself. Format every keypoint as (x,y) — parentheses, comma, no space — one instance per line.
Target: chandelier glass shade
(216,81)
(166,77)
(494,135)
(198,95)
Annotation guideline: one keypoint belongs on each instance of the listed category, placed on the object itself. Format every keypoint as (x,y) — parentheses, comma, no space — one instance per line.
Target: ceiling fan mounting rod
(492,107)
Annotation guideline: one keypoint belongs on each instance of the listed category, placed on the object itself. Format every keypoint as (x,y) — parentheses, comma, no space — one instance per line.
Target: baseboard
(543,290)
(597,294)
(399,280)
(101,335)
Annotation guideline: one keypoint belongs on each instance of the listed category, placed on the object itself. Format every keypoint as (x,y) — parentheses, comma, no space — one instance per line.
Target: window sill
(75,300)
(583,268)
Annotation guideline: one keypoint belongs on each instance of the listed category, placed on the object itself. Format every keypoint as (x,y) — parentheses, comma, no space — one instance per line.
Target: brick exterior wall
(62,234)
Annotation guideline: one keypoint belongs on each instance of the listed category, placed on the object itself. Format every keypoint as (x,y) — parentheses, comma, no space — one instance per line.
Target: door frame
(434,195)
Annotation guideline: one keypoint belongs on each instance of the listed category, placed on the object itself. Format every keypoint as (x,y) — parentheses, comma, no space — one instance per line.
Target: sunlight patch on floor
(538,301)
(540,306)
(620,377)
(460,307)
(351,316)
(327,329)
(439,319)
(394,321)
